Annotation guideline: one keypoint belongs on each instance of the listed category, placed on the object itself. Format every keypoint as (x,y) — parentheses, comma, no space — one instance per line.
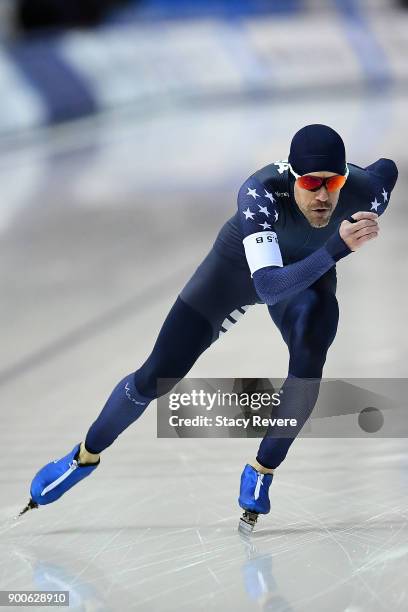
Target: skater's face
(317,206)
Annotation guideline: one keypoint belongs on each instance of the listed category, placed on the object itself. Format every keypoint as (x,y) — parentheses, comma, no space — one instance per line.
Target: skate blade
(244,527)
(247,522)
(32,505)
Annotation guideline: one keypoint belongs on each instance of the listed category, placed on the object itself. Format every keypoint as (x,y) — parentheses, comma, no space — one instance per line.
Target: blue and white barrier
(160,65)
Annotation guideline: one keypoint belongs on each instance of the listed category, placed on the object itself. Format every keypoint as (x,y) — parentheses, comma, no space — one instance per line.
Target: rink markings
(82,333)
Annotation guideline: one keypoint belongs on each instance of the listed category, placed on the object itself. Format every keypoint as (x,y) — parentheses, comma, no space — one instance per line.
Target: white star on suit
(252,192)
(276,215)
(282,166)
(385,195)
(265,225)
(264,210)
(269,196)
(375,205)
(248,214)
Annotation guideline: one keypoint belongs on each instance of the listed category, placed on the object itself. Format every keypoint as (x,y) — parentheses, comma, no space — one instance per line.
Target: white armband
(261,250)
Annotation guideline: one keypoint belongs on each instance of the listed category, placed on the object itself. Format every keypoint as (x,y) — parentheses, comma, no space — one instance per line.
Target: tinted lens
(313,183)
(335,182)
(310,182)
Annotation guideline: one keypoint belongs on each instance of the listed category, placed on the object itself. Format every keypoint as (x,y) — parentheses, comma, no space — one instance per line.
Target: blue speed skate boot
(253,497)
(57,477)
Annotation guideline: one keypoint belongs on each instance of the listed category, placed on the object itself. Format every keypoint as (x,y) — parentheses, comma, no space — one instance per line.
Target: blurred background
(123,124)
(126,130)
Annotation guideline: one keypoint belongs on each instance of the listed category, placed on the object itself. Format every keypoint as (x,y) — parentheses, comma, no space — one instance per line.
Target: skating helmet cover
(317,148)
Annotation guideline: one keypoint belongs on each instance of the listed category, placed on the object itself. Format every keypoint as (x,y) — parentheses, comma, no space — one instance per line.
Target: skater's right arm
(273,281)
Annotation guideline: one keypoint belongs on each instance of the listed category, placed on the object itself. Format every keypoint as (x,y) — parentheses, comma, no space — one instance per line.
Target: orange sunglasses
(314,183)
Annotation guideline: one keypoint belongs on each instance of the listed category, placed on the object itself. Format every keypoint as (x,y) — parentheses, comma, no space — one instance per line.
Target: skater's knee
(307,365)
(314,328)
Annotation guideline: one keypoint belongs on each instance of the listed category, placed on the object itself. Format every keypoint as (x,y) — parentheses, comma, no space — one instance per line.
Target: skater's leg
(213,299)
(173,355)
(184,335)
(308,324)
(216,293)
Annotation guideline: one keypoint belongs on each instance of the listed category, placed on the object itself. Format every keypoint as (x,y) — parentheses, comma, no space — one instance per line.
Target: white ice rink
(101,225)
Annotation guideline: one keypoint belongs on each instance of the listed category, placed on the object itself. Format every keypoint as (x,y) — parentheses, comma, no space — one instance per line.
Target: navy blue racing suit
(266,253)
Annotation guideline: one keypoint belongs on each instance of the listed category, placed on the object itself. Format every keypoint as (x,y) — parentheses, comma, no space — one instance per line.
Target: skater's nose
(322,195)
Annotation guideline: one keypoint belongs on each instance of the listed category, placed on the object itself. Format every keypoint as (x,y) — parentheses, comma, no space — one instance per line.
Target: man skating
(295,221)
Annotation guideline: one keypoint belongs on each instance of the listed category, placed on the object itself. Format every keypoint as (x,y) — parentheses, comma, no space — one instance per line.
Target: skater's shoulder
(270,182)
(273,175)
(368,188)
(382,171)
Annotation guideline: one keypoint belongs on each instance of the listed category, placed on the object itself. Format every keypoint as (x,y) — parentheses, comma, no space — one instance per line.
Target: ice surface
(93,253)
